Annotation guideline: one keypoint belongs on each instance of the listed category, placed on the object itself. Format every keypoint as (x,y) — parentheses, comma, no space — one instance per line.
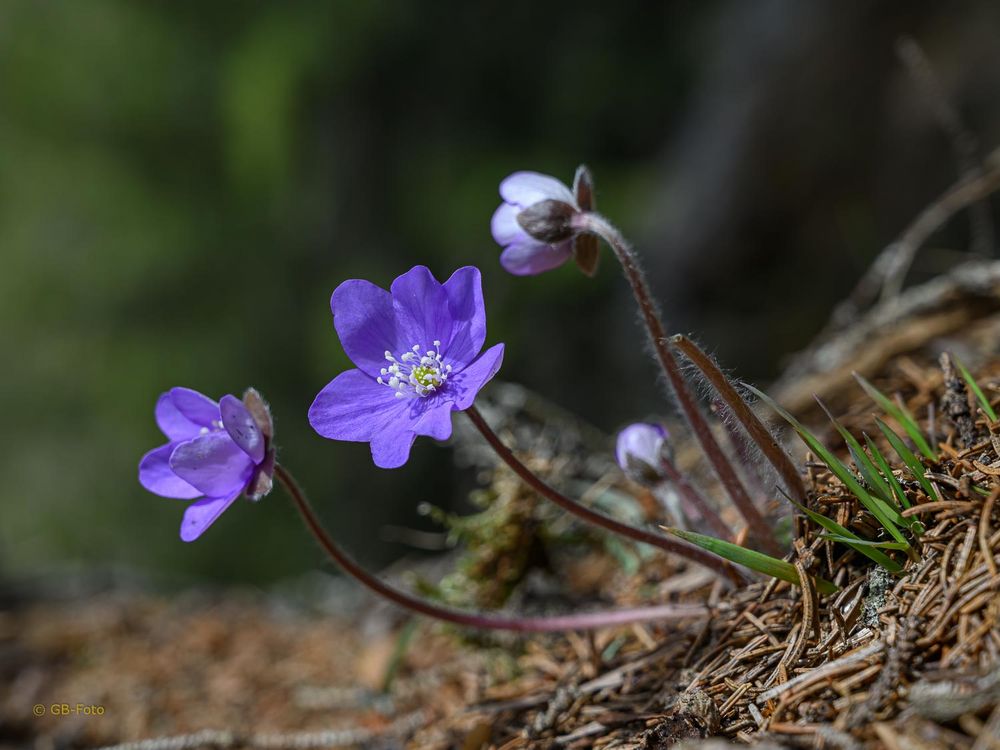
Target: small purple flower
(417,352)
(640,450)
(535,223)
(216,451)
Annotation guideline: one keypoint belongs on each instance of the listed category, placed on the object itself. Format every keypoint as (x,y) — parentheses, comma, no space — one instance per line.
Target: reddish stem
(740,409)
(586,621)
(706,511)
(597,224)
(695,554)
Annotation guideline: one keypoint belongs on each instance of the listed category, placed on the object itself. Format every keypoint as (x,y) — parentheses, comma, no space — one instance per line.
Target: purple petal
(530,257)
(526,188)
(242,427)
(354,407)
(466,384)
(156,475)
(197,407)
(213,463)
(171,422)
(504,226)
(468,311)
(391,449)
(421,306)
(365,323)
(202,514)
(435,421)
(643,442)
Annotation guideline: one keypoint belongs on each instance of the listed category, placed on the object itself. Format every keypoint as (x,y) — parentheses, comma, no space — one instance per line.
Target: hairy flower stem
(700,504)
(668,544)
(597,224)
(760,435)
(586,621)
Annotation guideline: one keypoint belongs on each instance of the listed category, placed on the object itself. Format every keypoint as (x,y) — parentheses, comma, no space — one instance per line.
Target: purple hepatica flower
(416,348)
(534,224)
(216,452)
(640,450)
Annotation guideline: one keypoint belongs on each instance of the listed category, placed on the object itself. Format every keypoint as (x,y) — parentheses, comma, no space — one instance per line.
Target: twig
(984,532)
(821,673)
(223,738)
(890,267)
(963,142)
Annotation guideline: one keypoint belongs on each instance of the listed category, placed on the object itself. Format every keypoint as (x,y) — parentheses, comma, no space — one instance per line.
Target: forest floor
(904,661)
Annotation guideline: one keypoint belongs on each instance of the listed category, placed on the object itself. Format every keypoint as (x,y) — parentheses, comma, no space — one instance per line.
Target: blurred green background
(183,184)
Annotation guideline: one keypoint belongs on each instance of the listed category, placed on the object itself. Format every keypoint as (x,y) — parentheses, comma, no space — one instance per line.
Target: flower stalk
(593,517)
(760,435)
(597,224)
(587,621)
(695,499)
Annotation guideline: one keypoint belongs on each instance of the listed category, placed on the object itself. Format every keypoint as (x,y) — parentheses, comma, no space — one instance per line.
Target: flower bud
(639,452)
(548,221)
(262,480)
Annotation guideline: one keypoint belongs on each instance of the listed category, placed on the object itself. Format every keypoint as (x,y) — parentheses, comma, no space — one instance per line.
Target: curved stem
(668,544)
(761,436)
(695,498)
(422,606)
(597,224)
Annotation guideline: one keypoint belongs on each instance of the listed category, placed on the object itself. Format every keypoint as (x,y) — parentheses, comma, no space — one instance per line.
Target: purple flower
(216,451)
(534,224)
(416,349)
(640,450)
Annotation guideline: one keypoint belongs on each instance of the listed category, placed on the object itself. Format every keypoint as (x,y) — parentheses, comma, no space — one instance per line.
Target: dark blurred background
(183,184)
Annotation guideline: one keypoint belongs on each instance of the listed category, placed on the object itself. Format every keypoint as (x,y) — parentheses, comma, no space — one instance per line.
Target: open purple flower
(640,450)
(417,352)
(216,451)
(535,223)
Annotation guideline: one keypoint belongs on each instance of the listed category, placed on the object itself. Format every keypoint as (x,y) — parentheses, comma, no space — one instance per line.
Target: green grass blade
(748,558)
(912,462)
(873,478)
(876,507)
(883,464)
(900,414)
(984,402)
(865,542)
(855,542)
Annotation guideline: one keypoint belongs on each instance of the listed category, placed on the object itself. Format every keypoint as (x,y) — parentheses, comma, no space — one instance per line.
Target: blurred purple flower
(535,223)
(216,451)
(417,352)
(640,451)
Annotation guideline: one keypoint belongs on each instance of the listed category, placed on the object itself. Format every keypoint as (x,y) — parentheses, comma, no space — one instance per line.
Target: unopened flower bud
(548,221)
(640,450)
(534,224)
(262,480)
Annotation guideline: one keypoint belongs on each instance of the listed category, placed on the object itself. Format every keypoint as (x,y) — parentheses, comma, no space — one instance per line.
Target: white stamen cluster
(216,426)
(415,374)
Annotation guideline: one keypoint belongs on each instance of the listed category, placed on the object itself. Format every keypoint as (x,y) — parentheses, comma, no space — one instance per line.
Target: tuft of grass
(748,558)
(888,517)
(984,403)
(883,464)
(908,457)
(852,540)
(900,414)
